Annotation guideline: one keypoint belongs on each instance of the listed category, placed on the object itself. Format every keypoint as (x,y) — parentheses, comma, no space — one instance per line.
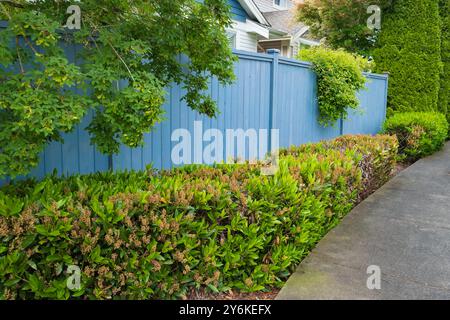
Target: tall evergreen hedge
(409,48)
(444,95)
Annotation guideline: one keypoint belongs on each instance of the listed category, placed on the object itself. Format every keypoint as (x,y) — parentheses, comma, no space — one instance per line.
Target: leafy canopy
(342,23)
(126,53)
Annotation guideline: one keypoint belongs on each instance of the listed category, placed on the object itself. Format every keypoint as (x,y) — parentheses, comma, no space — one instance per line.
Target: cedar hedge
(444,96)
(160,235)
(409,48)
(419,133)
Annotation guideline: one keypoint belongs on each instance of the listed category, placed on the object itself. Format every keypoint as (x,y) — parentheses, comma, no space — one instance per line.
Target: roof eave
(253,11)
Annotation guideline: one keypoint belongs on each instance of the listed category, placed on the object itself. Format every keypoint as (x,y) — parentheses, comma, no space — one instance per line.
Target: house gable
(238,12)
(249,25)
(246,9)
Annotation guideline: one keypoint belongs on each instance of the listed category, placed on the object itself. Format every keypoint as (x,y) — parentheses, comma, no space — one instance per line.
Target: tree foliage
(342,23)
(127,53)
(410,49)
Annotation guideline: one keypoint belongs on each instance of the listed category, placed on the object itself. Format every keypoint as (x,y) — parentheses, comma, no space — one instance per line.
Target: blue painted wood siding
(237,11)
(270,92)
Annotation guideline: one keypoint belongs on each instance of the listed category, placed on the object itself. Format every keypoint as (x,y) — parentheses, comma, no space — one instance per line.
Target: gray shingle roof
(284,21)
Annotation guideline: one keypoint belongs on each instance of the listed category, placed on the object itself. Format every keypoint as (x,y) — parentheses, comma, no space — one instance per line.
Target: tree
(410,49)
(444,95)
(129,51)
(342,23)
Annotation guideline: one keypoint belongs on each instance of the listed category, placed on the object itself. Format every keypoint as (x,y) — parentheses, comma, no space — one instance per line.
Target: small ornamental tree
(342,23)
(127,53)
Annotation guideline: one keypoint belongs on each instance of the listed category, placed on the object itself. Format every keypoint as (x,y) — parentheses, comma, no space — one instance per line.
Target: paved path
(404,228)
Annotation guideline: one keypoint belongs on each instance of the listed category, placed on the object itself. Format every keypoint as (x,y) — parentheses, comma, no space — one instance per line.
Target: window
(280,3)
(285,51)
(232,39)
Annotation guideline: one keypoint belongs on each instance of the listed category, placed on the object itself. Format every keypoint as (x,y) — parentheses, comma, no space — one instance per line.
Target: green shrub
(339,77)
(376,163)
(160,235)
(419,133)
(444,96)
(409,48)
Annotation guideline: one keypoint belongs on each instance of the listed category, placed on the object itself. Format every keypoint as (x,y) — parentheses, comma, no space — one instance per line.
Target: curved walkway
(403,228)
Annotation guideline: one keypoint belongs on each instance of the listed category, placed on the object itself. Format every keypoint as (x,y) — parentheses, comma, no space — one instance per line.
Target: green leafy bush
(161,235)
(339,77)
(419,133)
(378,157)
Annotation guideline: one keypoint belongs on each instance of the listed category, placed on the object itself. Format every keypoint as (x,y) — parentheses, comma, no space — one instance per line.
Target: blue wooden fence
(271,92)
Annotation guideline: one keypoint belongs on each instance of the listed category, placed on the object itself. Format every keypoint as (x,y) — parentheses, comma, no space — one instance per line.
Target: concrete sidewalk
(404,228)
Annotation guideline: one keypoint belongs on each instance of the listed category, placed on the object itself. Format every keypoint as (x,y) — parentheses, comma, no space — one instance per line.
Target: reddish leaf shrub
(158,235)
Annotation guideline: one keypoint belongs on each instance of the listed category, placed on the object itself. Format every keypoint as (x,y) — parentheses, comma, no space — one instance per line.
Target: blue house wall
(238,12)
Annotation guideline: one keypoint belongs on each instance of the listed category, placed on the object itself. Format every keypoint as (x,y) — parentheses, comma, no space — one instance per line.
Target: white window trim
(232,37)
(309,42)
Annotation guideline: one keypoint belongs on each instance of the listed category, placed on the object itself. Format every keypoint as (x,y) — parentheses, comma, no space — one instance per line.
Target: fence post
(110,162)
(386,92)
(273,90)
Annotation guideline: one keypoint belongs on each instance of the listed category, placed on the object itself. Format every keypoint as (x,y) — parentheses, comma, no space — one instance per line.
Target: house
(285,32)
(259,25)
(249,25)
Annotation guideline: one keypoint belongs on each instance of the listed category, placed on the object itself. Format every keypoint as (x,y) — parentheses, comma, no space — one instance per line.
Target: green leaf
(213,288)
(53,258)
(32,264)
(11,282)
